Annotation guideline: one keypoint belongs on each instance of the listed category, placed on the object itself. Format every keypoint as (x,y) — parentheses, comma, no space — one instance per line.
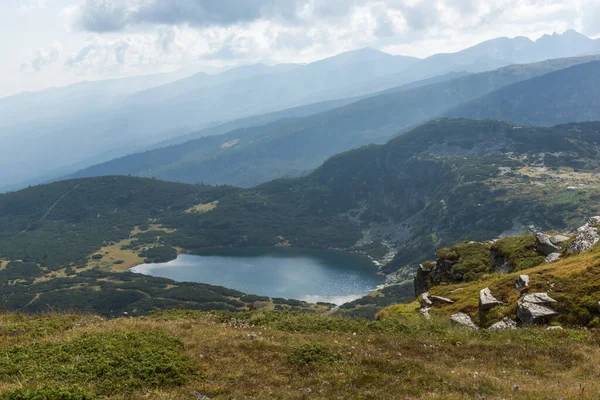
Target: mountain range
(85,129)
(293,147)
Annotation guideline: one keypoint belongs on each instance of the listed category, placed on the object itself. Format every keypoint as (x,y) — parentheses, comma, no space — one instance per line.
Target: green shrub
(313,353)
(112,362)
(48,393)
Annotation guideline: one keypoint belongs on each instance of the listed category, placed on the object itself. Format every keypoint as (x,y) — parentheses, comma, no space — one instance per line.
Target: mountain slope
(123,124)
(291,148)
(569,95)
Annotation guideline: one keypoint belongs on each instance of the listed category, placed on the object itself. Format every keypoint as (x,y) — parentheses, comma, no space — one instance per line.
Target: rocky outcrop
(443,271)
(591,222)
(422,279)
(584,241)
(425,301)
(546,244)
(532,309)
(463,320)
(506,324)
(522,282)
(486,300)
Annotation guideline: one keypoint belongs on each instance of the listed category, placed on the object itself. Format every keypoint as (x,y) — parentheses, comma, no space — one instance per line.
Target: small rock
(538,298)
(441,299)
(486,300)
(462,319)
(584,241)
(554,328)
(425,313)
(552,258)
(531,313)
(544,245)
(506,324)
(425,301)
(516,388)
(522,282)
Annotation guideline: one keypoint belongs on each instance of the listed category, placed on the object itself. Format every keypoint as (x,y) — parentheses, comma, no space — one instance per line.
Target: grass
(113,254)
(519,251)
(203,208)
(273,355)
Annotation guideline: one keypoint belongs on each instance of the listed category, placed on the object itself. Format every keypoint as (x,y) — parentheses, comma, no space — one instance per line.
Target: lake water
(308,275)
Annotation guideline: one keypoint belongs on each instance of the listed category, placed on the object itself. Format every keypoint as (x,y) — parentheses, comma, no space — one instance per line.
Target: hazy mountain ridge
(569,95)
(292,148)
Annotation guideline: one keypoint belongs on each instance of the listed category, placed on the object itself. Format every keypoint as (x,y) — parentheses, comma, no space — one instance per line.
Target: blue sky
(47,43)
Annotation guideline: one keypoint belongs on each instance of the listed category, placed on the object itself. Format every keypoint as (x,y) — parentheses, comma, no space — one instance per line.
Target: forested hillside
(443,182)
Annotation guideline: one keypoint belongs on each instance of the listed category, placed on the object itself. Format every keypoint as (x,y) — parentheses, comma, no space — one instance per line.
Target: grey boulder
(552,258)
(506,324)
(544,244)
(538,298)
(487,300)
(584,241)
(462,319)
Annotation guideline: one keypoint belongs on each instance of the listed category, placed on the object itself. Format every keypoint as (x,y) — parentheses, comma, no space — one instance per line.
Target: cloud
(114,15)
(129,34)
(43,58)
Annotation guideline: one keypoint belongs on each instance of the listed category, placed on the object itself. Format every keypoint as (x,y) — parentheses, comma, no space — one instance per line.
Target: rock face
(532,308)
(552,258)
(462,319)
(544,244)
(501,263)
(584,241)
(443,271)
(422,280)
(506,324)
(591,222)
(486,300)
(522,282)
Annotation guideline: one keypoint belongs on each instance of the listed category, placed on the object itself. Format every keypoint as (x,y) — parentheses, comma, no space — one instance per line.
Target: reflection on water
(309,275)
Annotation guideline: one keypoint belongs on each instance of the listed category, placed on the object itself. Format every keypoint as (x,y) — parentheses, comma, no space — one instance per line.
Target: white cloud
(43,58)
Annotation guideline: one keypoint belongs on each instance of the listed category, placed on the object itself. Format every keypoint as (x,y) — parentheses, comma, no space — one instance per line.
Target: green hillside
(444,182)
(569,95)
(289,148)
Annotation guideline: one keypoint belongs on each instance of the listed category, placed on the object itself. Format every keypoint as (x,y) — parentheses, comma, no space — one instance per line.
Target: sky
(49,43)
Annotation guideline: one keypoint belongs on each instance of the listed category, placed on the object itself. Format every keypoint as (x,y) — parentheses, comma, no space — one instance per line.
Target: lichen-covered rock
(440,299)
(506,324)
(544,244)
(462,319)
(584,241)
(522,282)
(593,221)
(486,300)
(538,298)
(531,313)
(552,258)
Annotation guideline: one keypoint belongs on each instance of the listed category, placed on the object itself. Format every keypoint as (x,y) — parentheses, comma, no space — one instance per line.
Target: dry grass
(255,355)
(113,253)
(203,208)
